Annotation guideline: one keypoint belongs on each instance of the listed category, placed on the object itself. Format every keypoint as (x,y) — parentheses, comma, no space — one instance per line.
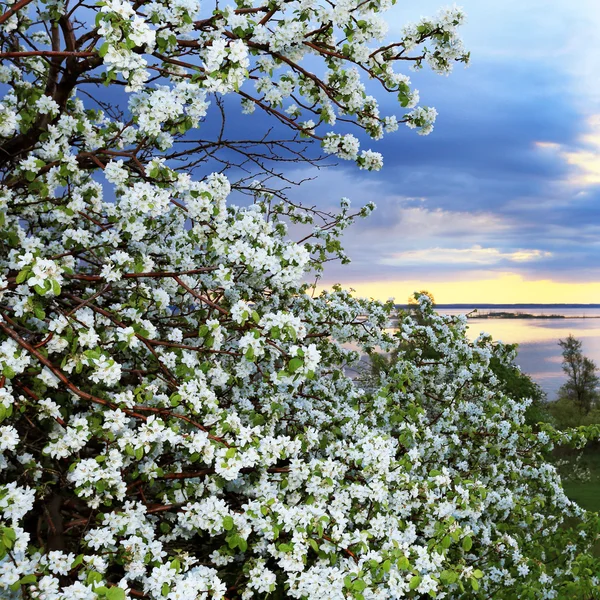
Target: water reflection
(532,331)
(539,352)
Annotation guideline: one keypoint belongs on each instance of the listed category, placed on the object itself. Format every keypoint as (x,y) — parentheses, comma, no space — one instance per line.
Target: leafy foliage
(521,387)
(178,420)
(413,299)
(581,387)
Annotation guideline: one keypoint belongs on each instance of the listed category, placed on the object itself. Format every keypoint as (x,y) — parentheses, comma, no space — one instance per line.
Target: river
(539,353)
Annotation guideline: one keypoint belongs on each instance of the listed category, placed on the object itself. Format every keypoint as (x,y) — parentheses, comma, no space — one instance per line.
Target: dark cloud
(482,175)
(479,179)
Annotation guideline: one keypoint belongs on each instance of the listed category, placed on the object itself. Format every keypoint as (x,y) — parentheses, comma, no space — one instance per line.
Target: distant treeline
(512,315)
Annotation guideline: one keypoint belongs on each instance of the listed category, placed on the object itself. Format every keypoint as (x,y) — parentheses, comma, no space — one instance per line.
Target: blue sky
(501,202)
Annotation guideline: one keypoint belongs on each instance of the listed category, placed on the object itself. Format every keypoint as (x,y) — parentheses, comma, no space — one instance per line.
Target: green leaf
(27,579)
(101,590)
(414,582)
(10,534)
(447,576)
(295,364)
(103,50)
(93,577)
(467,543)
(22,276)
(258,419)
(115,593)
(228,523)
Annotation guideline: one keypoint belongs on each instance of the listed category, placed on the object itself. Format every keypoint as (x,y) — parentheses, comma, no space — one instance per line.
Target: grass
(587,493)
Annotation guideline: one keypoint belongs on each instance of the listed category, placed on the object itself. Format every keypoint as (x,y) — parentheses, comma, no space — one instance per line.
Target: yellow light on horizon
(504,288)
(585,158)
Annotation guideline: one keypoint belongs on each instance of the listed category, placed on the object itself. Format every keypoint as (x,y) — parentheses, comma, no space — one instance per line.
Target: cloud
(399,216)
(548,145)
(509,178)
(474,255)
(492,178)
(422,223)
(378,245)
(584,155)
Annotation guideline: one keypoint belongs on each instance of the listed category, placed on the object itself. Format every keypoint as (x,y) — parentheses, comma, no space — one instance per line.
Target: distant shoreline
(528,316)
(506,315)
(517,311)
(512,315)
(477,305)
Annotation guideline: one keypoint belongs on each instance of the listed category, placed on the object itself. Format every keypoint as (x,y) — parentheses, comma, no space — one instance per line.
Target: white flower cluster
(9,117)
(422,118)
(245,432)
(225,42)
(162,107)
(119,22)
(178,418)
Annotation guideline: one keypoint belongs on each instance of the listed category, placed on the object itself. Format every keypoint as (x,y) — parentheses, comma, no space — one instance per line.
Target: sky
(500,204)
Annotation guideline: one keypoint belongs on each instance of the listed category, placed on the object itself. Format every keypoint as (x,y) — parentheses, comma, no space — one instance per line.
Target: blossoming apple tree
(176,416)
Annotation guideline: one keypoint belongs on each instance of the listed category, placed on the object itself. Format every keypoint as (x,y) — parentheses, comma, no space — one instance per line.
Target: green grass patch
(585,493)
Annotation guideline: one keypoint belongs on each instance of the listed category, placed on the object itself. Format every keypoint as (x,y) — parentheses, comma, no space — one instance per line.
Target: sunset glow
(506,288)
(501,203)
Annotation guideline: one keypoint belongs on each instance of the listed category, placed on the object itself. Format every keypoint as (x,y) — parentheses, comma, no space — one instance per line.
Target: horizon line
(504,305)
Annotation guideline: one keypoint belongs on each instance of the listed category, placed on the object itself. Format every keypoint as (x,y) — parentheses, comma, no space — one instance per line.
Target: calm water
(539,352)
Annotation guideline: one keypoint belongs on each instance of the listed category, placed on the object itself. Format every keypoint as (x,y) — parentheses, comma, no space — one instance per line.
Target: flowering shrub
(176,416)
